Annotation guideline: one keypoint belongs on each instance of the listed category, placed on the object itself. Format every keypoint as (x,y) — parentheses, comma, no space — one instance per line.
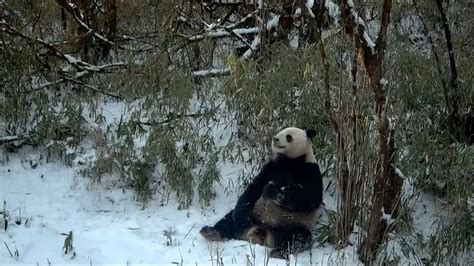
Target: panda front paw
(278,253)
(270,191)
(257,235)
(211,234)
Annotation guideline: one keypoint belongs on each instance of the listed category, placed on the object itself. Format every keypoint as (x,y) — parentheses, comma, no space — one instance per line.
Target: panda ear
(311,133)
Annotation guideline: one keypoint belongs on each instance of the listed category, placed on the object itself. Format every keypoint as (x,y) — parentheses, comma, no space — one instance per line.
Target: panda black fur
(280,206)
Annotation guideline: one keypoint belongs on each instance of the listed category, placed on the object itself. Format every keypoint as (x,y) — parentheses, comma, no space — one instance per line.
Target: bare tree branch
(94,88)
(79,64)
(173,116)
(449,44)
(435,53)
(76,14)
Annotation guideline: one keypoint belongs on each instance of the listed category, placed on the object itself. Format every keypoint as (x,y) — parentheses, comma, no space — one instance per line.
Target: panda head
(293,142)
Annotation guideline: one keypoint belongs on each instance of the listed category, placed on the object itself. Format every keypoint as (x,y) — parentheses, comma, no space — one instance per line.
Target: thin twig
(172,117)
(74,11)
(8,249)
(79,64)
(189,231)
(85,85)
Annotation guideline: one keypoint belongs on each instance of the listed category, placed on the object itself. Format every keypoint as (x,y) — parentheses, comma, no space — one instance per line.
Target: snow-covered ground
(110,227)
(46,201)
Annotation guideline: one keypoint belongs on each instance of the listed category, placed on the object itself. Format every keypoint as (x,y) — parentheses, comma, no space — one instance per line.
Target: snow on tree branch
(86,66)
(353,22)
(220,33)
(309,6)
(79,64)
(253,47)
(233,2)
(211,72)
(242,21)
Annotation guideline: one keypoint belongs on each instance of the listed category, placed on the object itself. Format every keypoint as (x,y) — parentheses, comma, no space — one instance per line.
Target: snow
(294,37)
(253,47)
(361,22)
(211,72)
(109,227)
(387,217)
(309,5)
(333,11)
(368,40)
(399,173)
(72,60)
(297,13)
(273,22)
(219,33)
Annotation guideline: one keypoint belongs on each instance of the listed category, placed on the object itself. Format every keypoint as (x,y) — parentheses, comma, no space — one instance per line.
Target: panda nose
(275,139)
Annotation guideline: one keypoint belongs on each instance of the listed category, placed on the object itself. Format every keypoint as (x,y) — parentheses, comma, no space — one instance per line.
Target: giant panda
(280,206)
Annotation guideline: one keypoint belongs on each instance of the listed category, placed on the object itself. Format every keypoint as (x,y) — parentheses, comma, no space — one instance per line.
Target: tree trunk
(110,25)
(387,184)
(347,183)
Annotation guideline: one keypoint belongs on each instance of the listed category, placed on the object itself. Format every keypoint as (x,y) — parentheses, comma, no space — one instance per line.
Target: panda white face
(293,142)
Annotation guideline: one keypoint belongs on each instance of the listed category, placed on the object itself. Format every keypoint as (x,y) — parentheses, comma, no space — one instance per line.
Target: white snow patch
(253,47)
(72,60)
(309,5)
(273,21)
(294,38)
(368,40)
(399,173)
(222,33)
(297,13)
(333,10)
(386,217)
(110,227)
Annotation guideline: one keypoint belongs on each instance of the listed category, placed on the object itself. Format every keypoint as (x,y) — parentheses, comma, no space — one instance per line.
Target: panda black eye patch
(289,138)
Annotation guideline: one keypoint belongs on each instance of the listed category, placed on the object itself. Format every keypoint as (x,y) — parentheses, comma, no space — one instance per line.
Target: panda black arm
(243,209)
(304,196)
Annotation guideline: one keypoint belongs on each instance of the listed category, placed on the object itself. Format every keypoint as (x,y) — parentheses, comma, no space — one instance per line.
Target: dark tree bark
(460,126)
